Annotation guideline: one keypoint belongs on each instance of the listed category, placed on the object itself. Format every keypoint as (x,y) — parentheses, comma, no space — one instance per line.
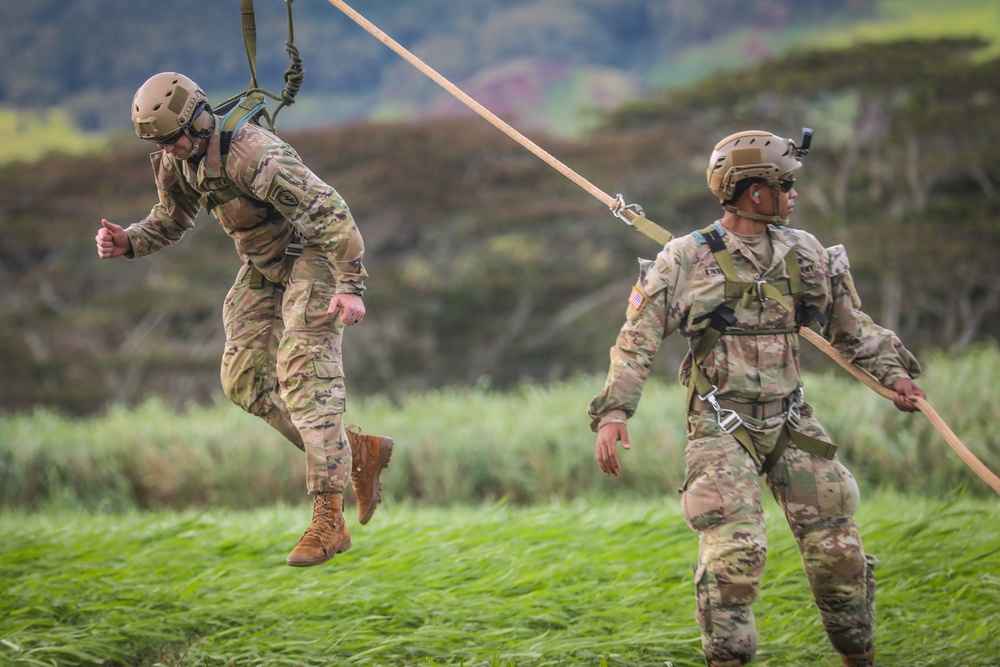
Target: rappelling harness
(250,106)
(702,394)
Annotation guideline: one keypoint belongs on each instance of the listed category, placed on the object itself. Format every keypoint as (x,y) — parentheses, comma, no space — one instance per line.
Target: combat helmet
(753,154)
(169,104)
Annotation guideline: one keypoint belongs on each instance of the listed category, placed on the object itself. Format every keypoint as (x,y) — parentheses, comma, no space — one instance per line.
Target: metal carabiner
(621,206)
(728,420)
(794,416)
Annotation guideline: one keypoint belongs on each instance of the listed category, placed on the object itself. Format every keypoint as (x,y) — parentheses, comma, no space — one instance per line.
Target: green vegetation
(485,263)
(29,135)
(529,446)
(579,583)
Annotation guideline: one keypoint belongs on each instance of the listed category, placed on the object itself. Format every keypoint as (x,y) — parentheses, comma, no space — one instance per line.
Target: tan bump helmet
(166,104)
(750,154)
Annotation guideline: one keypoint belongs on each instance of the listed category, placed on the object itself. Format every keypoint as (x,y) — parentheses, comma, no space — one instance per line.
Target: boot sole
(341,548)
(384,454)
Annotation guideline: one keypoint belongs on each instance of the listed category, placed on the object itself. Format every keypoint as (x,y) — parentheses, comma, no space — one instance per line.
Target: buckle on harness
(794,416)
(760,290)
(728,420)
(295,246)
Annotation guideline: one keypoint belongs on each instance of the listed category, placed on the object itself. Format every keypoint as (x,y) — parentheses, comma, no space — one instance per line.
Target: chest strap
(249,108)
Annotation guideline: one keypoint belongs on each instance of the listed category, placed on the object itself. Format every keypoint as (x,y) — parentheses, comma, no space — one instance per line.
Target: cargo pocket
(330,392)
(328,370)
(701,502)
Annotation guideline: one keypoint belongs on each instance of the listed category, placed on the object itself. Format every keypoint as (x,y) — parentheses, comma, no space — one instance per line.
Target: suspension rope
(616,204)
(963,452)
(632,214)
(294,75)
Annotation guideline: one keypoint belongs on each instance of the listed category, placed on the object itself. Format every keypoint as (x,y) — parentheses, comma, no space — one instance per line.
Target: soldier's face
(786,201)
(180,149)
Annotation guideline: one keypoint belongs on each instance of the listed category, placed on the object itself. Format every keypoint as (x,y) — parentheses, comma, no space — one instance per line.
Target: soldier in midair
(301,283)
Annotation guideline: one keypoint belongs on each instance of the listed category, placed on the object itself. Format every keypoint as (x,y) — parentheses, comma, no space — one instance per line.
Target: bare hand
(606,449)
(351,308)
(906,390)
(112,241)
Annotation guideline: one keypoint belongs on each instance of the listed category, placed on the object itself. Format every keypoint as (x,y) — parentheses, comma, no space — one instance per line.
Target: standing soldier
(738,291)
(300,284)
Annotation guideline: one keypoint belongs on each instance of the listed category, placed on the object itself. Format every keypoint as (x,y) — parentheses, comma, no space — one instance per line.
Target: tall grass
(581,583)
(469,446)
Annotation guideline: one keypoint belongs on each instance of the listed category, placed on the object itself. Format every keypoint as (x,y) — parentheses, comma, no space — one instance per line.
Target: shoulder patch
(636,298)
(837,259)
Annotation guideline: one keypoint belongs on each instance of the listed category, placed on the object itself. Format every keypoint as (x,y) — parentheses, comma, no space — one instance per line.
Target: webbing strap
(651,230)
(744,292)
(250,38)
(293,75)
(804,442)
(249,106)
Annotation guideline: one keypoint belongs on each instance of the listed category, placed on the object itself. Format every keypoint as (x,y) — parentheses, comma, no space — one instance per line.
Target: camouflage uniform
(282,359)
(721,496)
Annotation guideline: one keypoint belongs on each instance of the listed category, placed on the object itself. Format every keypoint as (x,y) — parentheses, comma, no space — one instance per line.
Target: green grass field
(563,584)
(148,537)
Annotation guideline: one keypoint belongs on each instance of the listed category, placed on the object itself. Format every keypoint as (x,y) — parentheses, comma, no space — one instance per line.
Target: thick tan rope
(596,192)
(616,205)
(963,452)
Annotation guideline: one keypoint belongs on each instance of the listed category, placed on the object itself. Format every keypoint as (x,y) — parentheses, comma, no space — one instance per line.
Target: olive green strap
(250,38)
(651,230)
(804,442)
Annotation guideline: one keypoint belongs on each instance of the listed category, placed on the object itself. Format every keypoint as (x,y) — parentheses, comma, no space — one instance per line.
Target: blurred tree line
(488,267)
(89,57)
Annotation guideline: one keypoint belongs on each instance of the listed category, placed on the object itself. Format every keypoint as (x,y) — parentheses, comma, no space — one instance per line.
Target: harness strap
(720,322)
(250,38)
(248,108)
(804,442)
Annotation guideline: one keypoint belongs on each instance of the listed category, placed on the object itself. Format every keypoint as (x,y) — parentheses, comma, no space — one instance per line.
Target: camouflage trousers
(721,501)
(282,362)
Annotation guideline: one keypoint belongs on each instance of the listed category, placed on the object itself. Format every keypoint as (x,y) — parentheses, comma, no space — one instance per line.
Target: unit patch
(288,198)
(283,195)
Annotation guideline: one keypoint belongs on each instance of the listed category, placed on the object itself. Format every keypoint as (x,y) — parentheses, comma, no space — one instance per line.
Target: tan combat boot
(370,456)
(326,536)
(866,659)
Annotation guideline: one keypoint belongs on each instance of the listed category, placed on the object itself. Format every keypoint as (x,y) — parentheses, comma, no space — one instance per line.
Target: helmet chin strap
(756,216)
(776,219)
(197,136)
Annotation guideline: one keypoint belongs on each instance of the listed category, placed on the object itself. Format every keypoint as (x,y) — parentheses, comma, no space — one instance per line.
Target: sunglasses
(169,139)
(786,184)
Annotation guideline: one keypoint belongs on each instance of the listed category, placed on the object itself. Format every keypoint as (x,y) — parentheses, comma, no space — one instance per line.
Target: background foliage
(469,446)
(510,52)
(486,266)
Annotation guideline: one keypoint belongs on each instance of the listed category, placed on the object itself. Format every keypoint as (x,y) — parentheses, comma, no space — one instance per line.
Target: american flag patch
(636,298)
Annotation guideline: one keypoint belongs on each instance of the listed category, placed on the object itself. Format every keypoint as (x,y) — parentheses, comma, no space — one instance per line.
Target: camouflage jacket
(278,196)
(685,284)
